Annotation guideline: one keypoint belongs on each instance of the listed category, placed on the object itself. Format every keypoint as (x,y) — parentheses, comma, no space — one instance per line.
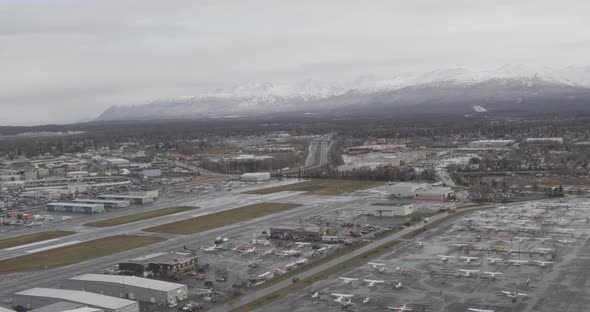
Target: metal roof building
(67,307)
(106,203)
(39,297)
(132,287)
(74,207)
(133,199)
(5,310)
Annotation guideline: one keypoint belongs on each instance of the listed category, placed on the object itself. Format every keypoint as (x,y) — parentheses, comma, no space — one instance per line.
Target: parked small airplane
(380,267)
(513,294)
(445,258)
(469,259)
(468,273)
(400,309)
(348,280)
(493,275)
(366,300)
(373,283)
(398,285)
(300,245)
(543,263)
(212,248)
(493,260)
(340,299)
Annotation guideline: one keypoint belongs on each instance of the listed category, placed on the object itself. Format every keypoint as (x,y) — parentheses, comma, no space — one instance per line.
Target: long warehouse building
(133,199)
(109,204)
(40,297)
(132,287)
(74,207)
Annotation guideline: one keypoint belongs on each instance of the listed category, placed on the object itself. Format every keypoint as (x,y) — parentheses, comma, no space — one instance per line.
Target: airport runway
(12,283)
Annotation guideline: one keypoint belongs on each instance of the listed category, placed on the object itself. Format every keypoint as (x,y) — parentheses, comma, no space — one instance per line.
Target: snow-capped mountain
(507,84)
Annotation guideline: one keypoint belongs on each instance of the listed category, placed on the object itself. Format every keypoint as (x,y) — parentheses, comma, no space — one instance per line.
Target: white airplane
(398,285)
(513,294)
(278,271)
(400,309)
(468,273)
(380,267)
(469,259)
(565,241)
(340,298)
(290,252)
(366,300)
(479,310)
(316,295)
(267,252)
(300,245)
(459,236)
(372,283)
(209,249)
(493,260)
(249,250)
(445,258)
(493,275)
(265,275)
(521,239)
(301,261)
(543,263)
(518,262)
(348,280)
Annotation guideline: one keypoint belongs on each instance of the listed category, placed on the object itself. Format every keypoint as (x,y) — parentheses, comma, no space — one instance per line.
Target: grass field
(32,238)
(75,253)
(219,219)
(322,187)
(139,216)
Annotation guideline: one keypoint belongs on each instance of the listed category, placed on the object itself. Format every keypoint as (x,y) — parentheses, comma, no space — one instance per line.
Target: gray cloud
(68,60)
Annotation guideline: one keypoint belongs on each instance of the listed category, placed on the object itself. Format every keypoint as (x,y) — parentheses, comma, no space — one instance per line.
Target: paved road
(269,290)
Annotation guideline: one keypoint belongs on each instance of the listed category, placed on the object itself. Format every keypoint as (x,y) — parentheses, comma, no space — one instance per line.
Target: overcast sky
(67,61)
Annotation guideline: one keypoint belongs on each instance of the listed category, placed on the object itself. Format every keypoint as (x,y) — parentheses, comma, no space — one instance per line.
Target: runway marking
(52,246)
(32,244)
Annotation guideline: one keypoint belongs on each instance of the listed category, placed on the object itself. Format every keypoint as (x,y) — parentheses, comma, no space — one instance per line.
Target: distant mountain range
(508,88)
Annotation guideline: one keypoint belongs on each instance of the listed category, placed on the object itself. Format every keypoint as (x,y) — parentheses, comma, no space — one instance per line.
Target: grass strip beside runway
(321,187)
(75,253)
(222,218)
(139,216)
(32,238)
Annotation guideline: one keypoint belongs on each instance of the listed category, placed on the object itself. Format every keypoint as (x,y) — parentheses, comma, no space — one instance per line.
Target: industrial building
(151,173)
(434,193)
(547,141)
(74,207)
(109,204)
(161,264)
(255,176)
(490,143)
(66,307)
(132,199)
(5,310)
(405,189)
(391,211)
(296,234)
(40,297)
(132,287)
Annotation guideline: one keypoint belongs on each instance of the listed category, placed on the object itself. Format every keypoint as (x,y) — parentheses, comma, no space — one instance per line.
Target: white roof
(124,196)
(76,204)
(130,281)
(5,310)
(84,297)
(84,309)
(87,200)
